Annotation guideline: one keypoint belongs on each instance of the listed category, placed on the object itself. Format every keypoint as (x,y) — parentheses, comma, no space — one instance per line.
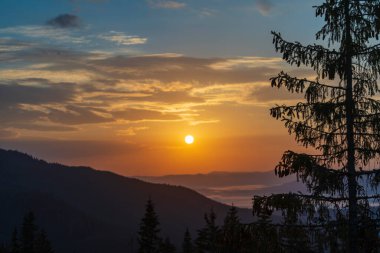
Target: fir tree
(149,239)
(339,119)
(261,235)
(28,231)
(167,247)
(42,244)
(208,239)
(187,244)
(231,232)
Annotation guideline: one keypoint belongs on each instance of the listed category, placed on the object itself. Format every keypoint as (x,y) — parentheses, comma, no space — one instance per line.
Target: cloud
(131,131)
(264,7)
(77,115)
(65,21)
(246,62)
(45,32)
(9,46)
(37,91)
(269,94)
(71,149)
(205,12)
(140,114)
(7,134)
(123,39)
(164,4)
(14,116)
(197,71)
(44,127)
(50,89)
(171,97)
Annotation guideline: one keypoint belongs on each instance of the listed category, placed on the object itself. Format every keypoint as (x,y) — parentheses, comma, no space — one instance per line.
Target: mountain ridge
(94,209)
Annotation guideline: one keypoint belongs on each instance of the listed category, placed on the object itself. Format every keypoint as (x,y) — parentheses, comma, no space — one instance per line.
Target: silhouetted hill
(84,210)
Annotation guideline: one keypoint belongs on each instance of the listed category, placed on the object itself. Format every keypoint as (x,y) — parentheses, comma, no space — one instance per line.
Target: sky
(118,84)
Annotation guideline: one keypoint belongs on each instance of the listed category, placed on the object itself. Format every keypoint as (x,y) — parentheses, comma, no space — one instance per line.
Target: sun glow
(189,139)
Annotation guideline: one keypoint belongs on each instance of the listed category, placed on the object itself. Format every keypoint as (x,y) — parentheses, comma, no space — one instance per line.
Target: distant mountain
(221,179)
(84,210)
(232,187)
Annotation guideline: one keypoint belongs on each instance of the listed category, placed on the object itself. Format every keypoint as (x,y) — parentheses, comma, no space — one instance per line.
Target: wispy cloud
(164,4)
(45,32)
(62,90)
(123,39)
(131,131)
(246,62)
(7,134)
(264,7)
(206,12)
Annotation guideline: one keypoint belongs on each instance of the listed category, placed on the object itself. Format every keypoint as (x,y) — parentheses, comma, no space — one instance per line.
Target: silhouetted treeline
(28,238)
(231,237)
(261,236)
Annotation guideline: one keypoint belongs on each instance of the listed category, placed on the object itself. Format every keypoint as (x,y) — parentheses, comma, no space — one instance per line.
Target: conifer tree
(149,239)
(167,246)
(340,119)
(42,244)
(261,236)
(28,231)
(208,240)
(187,244)
(231,232)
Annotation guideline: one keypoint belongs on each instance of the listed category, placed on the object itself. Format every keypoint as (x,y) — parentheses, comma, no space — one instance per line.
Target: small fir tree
(231,231)
(167,246)
(28,232)
(262,235)
(42,244)
(208,240)
(149,239)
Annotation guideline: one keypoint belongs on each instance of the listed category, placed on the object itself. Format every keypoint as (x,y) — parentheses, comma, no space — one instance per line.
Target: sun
(189,139)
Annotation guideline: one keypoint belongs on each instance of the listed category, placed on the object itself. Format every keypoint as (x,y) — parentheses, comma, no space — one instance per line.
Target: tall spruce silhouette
(340,119)
(149,238)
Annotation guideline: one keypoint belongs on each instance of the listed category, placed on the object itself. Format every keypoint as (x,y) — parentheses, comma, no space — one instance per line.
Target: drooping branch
(326,62)
(318,179)
(314,91)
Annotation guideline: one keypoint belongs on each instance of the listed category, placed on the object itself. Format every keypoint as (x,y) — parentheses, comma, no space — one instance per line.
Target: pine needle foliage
(340,120)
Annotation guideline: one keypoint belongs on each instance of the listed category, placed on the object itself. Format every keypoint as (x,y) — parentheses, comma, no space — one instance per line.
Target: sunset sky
(118,84)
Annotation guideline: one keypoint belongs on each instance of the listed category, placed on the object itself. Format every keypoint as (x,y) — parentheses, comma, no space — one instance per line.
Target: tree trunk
(352,183)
